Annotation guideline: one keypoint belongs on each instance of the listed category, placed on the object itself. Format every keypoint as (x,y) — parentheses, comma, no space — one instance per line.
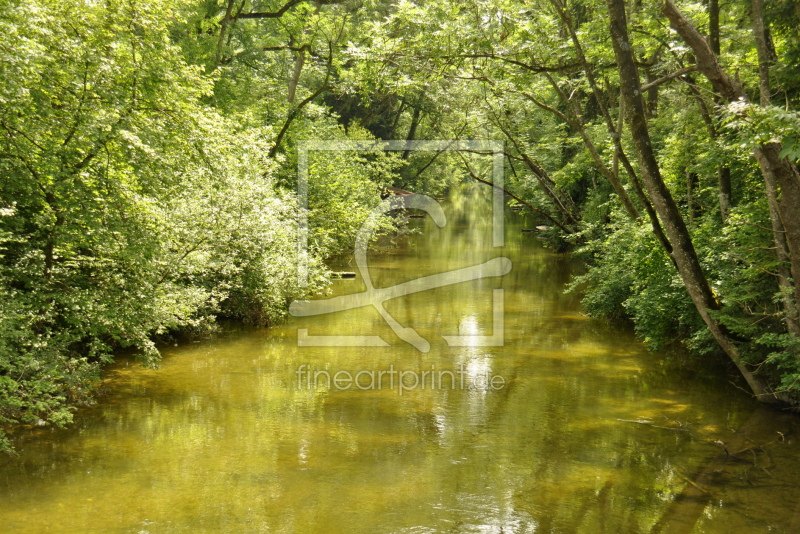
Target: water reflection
(589,433)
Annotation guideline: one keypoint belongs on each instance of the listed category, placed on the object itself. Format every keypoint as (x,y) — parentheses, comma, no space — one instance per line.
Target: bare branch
(270,14)
(668,77)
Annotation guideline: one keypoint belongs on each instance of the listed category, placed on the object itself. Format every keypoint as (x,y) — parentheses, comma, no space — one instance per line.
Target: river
(569,426)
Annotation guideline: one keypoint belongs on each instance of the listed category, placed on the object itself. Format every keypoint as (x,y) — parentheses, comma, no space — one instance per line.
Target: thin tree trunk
(412,130)
(401,108)
(652,94)
(293,113)
(723,171)
(782,252)
(619,131)
(299,61)
(683,252)
(713,26)
(772,187)
(724,194)
(515,197)
(763,53)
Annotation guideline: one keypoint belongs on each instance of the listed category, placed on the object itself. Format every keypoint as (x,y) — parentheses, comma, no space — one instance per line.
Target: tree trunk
(780,175)
(763,53)
(412,130)
(616,135)
(652,94)
(713,26)
(725,194)
(563,201)
(723,171)
(772,187)
(299,61)
(515,197)
(401,108)
(683,251)
(782,251)
(223,27)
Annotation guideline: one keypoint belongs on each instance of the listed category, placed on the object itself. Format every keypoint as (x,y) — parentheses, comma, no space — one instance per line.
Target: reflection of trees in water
(222,434)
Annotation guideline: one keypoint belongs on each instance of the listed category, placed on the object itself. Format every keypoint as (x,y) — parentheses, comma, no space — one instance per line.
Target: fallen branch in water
(687,480)
(650,423)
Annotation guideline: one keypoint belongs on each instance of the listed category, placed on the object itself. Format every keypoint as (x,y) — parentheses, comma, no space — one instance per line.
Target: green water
(587,432)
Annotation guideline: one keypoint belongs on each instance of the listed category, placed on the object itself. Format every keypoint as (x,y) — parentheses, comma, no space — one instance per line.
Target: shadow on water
(588,433)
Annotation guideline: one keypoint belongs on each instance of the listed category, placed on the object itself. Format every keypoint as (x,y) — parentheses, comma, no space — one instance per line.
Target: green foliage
(631,277)
(130,209)
(783,18)
(782,360)
(756,125)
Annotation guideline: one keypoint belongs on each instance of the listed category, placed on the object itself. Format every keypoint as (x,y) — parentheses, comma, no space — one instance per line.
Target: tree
(683,251)
(781,177)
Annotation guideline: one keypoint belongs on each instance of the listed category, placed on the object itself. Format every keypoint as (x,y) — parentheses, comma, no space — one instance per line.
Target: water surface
(588,433)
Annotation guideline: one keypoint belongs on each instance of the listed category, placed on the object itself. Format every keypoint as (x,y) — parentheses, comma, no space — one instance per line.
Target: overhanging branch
(270,14)
(679,72)
(512,195)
